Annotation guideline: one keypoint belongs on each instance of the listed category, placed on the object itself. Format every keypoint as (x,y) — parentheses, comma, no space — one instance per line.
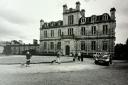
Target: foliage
(121,51)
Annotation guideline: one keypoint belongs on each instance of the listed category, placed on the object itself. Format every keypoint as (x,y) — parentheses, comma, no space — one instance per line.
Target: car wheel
(107,63)
(96,62)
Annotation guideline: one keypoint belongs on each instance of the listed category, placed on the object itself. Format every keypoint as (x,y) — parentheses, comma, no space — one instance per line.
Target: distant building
(18,48)
(78,33)
(35,42)
(2,44)
(1,49)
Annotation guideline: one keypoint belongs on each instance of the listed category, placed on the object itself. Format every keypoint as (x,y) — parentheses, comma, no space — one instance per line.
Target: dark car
(102,58)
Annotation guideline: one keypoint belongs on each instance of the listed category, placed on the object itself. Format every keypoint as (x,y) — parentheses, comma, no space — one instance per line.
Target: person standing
(28,57)
(79,56)
(58,57)
(75,57)
(82,56)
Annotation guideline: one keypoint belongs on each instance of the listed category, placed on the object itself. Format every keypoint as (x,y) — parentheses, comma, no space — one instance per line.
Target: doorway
(67,49)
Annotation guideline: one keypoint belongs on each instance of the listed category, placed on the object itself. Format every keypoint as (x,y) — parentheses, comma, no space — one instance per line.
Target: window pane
(82,30)
(105,45)
(93,30)
(59,45)
(105,29)
(52,45)
(93,45)
(82,45)
(45,45)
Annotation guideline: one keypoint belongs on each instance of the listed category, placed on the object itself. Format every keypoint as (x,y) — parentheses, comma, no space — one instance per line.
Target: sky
(20,19)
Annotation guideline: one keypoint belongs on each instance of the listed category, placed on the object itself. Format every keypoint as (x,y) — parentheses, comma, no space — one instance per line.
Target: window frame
(83,45)
(105,45)
(83,31)
(93,30)
(105,29)
(93,45)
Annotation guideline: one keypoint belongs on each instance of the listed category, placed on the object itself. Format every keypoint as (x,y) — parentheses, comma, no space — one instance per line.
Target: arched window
(105,16)
(82,19)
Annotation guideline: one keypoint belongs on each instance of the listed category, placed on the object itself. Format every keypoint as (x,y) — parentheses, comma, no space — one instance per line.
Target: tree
(119,51)
(127,42)
(126,49)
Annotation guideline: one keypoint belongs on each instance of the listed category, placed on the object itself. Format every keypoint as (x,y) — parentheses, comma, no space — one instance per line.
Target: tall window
(93,30)
(70,31)
(51,45)
(105,29)
(105,45)
(59,32)
(59,45)
(105,17)
(93,45)
(70,19)
(45,34)
(45,45)
(83,45)
(83,31)
(52,33)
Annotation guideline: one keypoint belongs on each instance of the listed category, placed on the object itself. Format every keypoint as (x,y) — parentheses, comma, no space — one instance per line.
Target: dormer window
(49,24)
(87,20)
(52,24)
(83,20)
(105,16)
(70,9)
(45,25)
(58,23)
(93,18)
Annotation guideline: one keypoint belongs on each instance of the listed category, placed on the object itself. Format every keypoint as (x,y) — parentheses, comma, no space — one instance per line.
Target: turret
(41,23)
(112,12)
(83,13)
(35,41)
(64,8)
(78,5)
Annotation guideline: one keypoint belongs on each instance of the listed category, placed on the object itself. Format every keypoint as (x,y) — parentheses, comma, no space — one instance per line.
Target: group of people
(57,60)
(78,56)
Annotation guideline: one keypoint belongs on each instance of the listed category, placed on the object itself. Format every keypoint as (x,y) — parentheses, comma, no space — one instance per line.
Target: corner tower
(112,12)
(71,16)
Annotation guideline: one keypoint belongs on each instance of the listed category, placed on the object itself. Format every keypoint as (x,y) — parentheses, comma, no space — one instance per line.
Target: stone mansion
(78,33)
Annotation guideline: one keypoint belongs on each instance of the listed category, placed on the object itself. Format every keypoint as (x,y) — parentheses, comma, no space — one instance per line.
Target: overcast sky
(19,19)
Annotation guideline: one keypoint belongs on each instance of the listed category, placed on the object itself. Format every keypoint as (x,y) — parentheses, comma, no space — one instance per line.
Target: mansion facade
(78,33)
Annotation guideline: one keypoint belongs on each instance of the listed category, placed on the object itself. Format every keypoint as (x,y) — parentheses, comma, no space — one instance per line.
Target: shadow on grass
(47,62)
(52,62)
